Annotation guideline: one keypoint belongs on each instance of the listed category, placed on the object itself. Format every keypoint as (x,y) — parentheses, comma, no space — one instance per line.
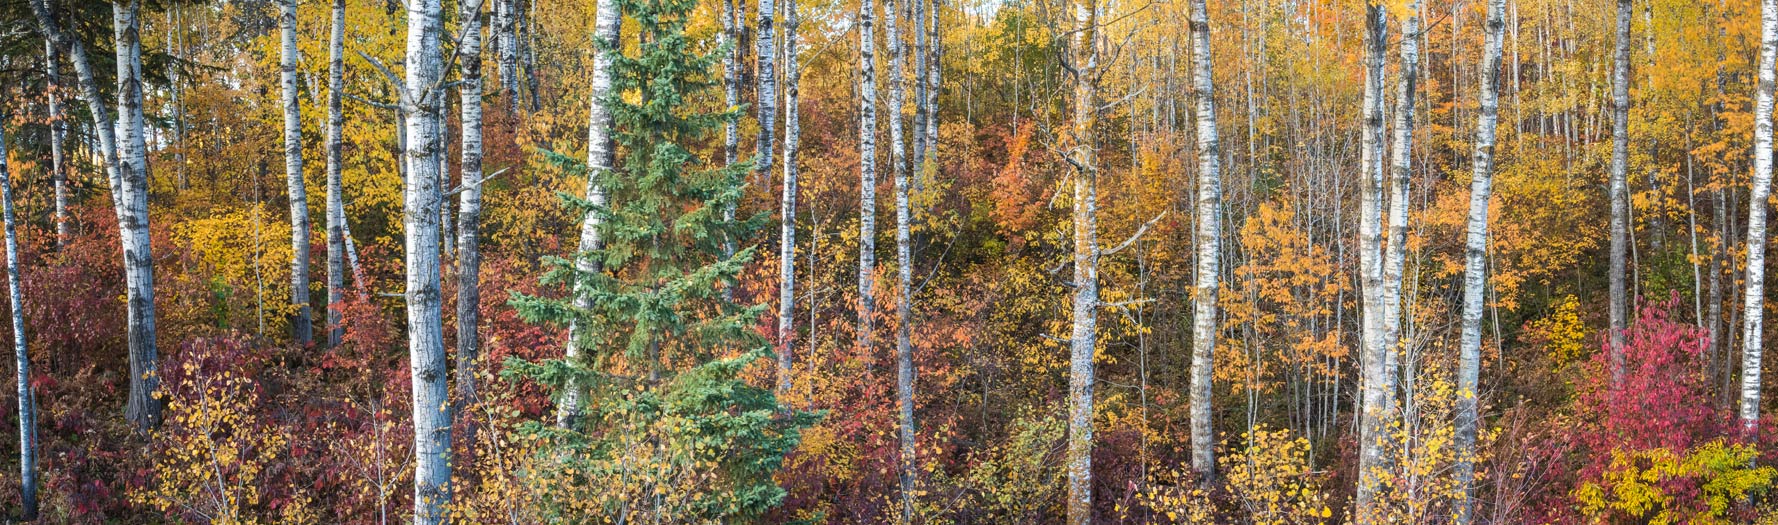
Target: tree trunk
(58,133)
(301,328)
(27,401)
(898,162)
(132,197)
(1401,172)
(1752,338)
(601,156)
(1377,410)
(469,207)
(1086,264)
(422,96)
(336,209)
(1620,193)
(917,26)
(731,81)
(1204,321)
(934,76)
(787,228)
(1475,265)
(506,44)
(766,75)
(867,174)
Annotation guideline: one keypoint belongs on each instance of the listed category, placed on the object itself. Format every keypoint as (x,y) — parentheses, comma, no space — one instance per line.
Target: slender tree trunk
(27,401)
(58,133)
(766,74)
(1752,338)
(423,98)
(469,207)
(1377,410)
(601,156)
(934,76)
(506,46)
(898,162)
(176,47)
(301,327)
(336,209)
(1204,319)
(917,26)
(1475,261)
(787,228)
(132,173)
(1086,263)
(731,81)
(1620,192)
(867,174)
(1401,172)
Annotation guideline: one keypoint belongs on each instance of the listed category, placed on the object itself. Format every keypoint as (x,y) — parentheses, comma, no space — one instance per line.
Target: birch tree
(301,328)
(142,408)
(904,351)
(1376,409)
(867,172)
(422,99)
(58,133)
(1209,222)
(1751,338)
(1401,172)
(469,206)
(336,208)
(601,157)
(934,78)
(1085,65)
(787,228)
(27,400)
(506,47)
(1620,192)
(131,194)
(766,74)
(1475,264)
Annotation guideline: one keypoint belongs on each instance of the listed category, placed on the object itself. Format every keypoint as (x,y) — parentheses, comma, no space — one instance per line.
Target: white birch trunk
(601,154)
(1475,261)
(506,38)
(1079,457)
(469,206)
(766,74)
(27,401)
(787,228)
(336,210)
(1752,338)
(867,174)
(1401,171)
(58,133)
(301,328)
(898,161)
(422,97)
(1209,222)
(1377,412)
(1620,192)
(132,198)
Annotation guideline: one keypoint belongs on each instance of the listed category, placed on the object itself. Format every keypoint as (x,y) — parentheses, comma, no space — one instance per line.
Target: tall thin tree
(1620,192)
(1083,158)
(132,200)
(1204,320)
(867,174)
(301,327)
(1377,410)
(27,400)
(1753,331)
(1475,264)
(766,76)
(336,207)
(58,135)
(422,98)
(601,157)
(469,206)
(904,351)
(787,205)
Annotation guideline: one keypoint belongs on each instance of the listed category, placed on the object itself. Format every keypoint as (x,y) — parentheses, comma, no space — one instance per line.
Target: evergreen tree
(669,428)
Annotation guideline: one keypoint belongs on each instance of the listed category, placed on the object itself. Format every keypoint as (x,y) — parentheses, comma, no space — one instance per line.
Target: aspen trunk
(898,162)
(1086,264)
(27,401)
(787,228)
(1401,171)
(469,206)
(1620,193)
(1376,410)
(336,209)
(766,74)
(1752,338)
(601,154)
(1475,261)
(934,78)
(867,174)
(301,328)
(731,81)
(422,97)
(132,199)
(917,26)
(1204,321)
(58,133)
(506,45)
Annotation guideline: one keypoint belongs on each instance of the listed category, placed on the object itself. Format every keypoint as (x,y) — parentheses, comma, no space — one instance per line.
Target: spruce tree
(670,428)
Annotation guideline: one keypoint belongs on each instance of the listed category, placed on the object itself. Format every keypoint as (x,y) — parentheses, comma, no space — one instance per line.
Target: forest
(1236,262)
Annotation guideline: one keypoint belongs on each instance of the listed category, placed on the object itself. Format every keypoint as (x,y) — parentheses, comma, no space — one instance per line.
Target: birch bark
(1475,257)
(301,326)
(469,206)
(1204,321)
(1079,459)
(600,158)
(422,100)
(1752,336)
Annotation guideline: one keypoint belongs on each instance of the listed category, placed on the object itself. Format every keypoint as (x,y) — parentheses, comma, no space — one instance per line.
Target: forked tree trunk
(1204,321)
(1377,411)
(423,100)
(1752,337)
(1475,265)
